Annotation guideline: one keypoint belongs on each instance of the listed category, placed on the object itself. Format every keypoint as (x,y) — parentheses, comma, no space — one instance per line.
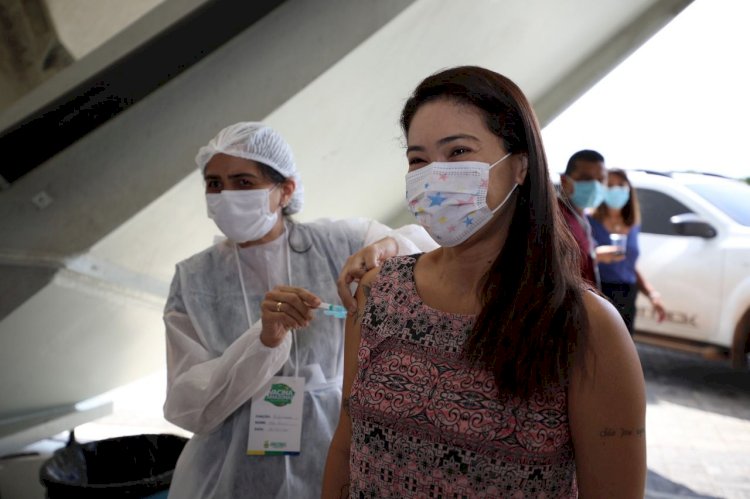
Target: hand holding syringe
(337,311)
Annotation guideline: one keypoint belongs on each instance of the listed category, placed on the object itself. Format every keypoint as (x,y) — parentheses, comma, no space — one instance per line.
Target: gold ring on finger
(278,306)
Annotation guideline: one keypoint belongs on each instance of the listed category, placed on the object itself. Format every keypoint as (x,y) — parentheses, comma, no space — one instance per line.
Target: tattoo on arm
(608,432)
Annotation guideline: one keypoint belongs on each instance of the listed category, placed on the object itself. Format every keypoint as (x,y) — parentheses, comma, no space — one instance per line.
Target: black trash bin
(139,466)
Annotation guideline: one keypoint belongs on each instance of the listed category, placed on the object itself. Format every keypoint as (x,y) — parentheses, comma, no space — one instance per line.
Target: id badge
(276,418)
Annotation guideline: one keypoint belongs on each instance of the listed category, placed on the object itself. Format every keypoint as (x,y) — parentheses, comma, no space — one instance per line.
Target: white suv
(695,250)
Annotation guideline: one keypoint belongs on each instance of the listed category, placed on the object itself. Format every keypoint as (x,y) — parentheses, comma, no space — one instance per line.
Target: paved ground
(697,426)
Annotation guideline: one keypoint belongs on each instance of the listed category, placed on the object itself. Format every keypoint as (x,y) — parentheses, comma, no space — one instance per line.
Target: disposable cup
(619,240)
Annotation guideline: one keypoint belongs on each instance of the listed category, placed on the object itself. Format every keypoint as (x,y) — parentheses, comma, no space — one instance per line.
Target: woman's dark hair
(631,212)
(533,318)
(277,178)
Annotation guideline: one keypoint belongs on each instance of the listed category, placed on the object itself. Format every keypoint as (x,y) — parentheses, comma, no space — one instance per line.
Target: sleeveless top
(426,422)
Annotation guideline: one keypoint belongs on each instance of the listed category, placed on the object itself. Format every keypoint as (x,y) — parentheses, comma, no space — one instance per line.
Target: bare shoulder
(610,358)
(369,278)
(607,331)
(599,309)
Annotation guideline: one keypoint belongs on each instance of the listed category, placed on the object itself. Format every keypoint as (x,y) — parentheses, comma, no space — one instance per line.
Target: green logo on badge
(280,395)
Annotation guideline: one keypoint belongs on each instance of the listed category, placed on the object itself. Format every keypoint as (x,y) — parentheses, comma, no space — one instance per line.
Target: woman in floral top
(485,368)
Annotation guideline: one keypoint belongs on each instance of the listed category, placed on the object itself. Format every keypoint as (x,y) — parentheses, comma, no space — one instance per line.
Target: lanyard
(247,305)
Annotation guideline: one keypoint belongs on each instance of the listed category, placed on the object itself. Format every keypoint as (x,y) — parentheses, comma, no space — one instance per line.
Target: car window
(656,210)
(731,197)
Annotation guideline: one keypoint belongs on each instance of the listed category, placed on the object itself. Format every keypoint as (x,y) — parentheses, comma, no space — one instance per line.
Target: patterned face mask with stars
(449,199)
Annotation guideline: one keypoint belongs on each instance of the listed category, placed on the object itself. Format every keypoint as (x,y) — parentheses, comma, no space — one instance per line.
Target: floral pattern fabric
(428,423)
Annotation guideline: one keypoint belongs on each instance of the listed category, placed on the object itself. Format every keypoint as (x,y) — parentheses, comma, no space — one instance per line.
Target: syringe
(335,310)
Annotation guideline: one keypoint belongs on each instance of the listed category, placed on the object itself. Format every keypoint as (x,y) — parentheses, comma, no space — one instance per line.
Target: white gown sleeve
(410,238)
(202,389)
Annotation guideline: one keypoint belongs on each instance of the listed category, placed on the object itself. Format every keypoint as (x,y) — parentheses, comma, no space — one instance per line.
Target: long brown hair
(631,212)
(533,317)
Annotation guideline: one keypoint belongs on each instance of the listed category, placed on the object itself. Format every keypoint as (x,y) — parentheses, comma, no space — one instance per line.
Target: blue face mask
(617,196)
(587,193)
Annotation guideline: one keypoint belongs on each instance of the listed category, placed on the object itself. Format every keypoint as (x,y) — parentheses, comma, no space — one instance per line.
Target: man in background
(582,186)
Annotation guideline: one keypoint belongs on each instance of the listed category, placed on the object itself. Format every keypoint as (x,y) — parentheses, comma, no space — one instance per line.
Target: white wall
(128,201)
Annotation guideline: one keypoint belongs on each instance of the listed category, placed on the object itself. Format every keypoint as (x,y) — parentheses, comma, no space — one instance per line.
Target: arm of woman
(203,388)
(336,475)
(380,243)
(607,409)
(653,295)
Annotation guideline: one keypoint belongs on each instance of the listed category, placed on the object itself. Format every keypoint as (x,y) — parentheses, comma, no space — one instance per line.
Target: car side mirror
(690,224)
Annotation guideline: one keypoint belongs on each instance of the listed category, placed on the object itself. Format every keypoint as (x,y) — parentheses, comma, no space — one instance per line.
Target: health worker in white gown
(244,311)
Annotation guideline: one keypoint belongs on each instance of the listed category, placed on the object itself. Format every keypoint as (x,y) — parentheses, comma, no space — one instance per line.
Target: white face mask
(449,199)
(243,215)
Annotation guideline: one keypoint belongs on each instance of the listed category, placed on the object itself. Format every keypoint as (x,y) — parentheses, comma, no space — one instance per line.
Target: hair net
(257,142)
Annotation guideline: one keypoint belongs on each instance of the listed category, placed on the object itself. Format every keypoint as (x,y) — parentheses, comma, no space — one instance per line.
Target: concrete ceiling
(84,271)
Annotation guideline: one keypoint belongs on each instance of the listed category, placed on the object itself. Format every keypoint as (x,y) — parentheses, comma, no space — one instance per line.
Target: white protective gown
(216,361)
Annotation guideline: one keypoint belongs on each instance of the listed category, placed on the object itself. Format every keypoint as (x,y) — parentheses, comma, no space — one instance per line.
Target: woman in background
(619,215)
